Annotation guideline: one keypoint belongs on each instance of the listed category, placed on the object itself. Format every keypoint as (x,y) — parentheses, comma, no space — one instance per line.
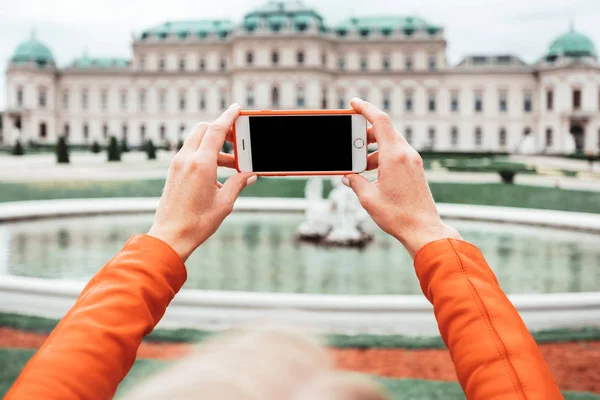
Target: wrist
(176,241)
(424,234)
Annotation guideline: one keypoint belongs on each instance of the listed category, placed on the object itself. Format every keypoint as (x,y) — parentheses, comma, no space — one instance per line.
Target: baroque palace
(284,56)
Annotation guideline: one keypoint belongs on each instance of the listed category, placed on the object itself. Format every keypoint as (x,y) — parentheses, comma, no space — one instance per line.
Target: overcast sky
(105,28)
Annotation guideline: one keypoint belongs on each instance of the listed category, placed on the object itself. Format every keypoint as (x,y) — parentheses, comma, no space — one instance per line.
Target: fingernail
(251,180)
(356,100)
(346,181)
(234,105)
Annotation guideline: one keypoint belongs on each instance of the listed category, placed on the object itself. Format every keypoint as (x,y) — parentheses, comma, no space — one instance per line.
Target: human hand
(194,203)
(400,201)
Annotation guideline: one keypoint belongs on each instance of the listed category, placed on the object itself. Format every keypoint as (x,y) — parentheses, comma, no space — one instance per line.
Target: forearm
(95,344)
(493,352)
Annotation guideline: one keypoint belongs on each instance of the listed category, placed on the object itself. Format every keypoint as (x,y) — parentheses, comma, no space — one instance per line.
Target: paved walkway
(135,166)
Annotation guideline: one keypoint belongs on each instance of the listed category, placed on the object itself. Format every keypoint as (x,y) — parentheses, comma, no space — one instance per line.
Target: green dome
(33,51)
(277,14)
(572,44)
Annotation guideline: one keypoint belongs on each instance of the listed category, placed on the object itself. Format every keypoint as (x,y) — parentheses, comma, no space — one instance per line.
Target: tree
(124,145)
(96,147)
(18,149)
(114,153)
(62,151)
(150,150)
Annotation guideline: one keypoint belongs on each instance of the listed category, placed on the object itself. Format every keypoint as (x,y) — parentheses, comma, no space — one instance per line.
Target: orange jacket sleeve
(95,344)
(493,352)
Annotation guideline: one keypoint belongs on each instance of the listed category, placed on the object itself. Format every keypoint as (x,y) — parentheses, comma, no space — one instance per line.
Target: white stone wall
(317,81)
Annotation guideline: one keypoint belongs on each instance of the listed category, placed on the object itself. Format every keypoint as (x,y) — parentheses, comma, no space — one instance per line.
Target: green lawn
(496,194)
(12,362)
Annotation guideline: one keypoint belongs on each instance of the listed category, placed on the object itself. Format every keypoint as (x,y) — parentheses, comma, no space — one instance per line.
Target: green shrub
(150,150)
(62,151)
(114,153)
(18,149)
(96,147)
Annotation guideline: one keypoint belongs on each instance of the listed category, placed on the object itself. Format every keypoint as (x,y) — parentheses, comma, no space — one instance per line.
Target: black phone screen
(301,143)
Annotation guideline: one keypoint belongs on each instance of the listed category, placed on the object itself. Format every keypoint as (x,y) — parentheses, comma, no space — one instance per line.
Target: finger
(226,160)
(360,185)
(194,138)
(229,137)
(235,184)
(213,140)
(373,161)
(371,136)
(383,130)
(218,184)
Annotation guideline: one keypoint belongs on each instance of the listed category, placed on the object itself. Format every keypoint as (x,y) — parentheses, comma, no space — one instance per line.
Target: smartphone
(301,142)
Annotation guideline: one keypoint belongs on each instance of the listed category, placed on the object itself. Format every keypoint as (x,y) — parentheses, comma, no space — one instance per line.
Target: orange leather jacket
(95,344)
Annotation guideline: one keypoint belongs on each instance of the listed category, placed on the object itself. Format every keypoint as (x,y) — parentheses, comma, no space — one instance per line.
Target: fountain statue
(336,221)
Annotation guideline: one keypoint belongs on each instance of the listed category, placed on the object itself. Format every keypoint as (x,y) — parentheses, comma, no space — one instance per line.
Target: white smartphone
(307,142)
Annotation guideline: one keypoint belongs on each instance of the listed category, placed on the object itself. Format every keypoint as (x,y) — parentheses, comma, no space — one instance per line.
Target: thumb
(358,183)
(234,185)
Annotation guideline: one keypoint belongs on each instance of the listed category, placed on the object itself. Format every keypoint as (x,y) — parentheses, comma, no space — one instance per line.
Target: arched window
(341,101)
(162,132)
(549,138)
(408,134)
(19,96)
(182,99)
(275,57)
(249,58)
(181,64)
(275,97)
(181,129)
(300,100)
(478,137)
(454,136)
(431,137)
(42,97)
(250,96)
(387,103)
(66,131)
(142,133)
(124,131)
(105,131)
(162,100)
(86,132)
(502,137)
(300,57)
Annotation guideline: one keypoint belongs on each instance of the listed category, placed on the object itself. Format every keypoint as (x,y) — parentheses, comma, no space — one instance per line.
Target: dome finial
(572,24)
(33,34)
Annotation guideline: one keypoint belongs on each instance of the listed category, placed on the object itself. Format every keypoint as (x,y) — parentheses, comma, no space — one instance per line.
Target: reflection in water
(257,252)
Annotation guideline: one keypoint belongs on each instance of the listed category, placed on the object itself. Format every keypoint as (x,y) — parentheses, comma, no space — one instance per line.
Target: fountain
(336,221)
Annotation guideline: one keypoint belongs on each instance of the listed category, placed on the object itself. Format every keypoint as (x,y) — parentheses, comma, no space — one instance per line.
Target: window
(202,100)
(142,99)
(223,101)
(324,59)
(408,134)
(66,130)
(300,57)
(408,63)
(527,102)
(104,99)
(527,131)
(431,102)
(549,100)
(478,137)
(386,64)
(387,101)
(162,100)
(576,99)
(65,100)
(502,103)
(275,57)
(275,97)
(162,132)
(123,99)
(364,63)
(549,138)
(432,63)
(250,96)
(598,139)
(454,102)
(431,137)
(182,100)
(408,102)
(478,102)
(182,65)
(341,63)
(86,132)
(249,58)
(202,65)
(341,101)
(223,65)
(142,63)
(42,97)
(19,97)
(84,99)
(324,99)
(105,131)
(454,136)
(142,133)
(181,129)
(124,132)
(300,97)
(43,130)
(502,137)
(161,64)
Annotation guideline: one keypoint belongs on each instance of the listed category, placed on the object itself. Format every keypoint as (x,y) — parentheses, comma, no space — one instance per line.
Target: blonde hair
(260,364)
